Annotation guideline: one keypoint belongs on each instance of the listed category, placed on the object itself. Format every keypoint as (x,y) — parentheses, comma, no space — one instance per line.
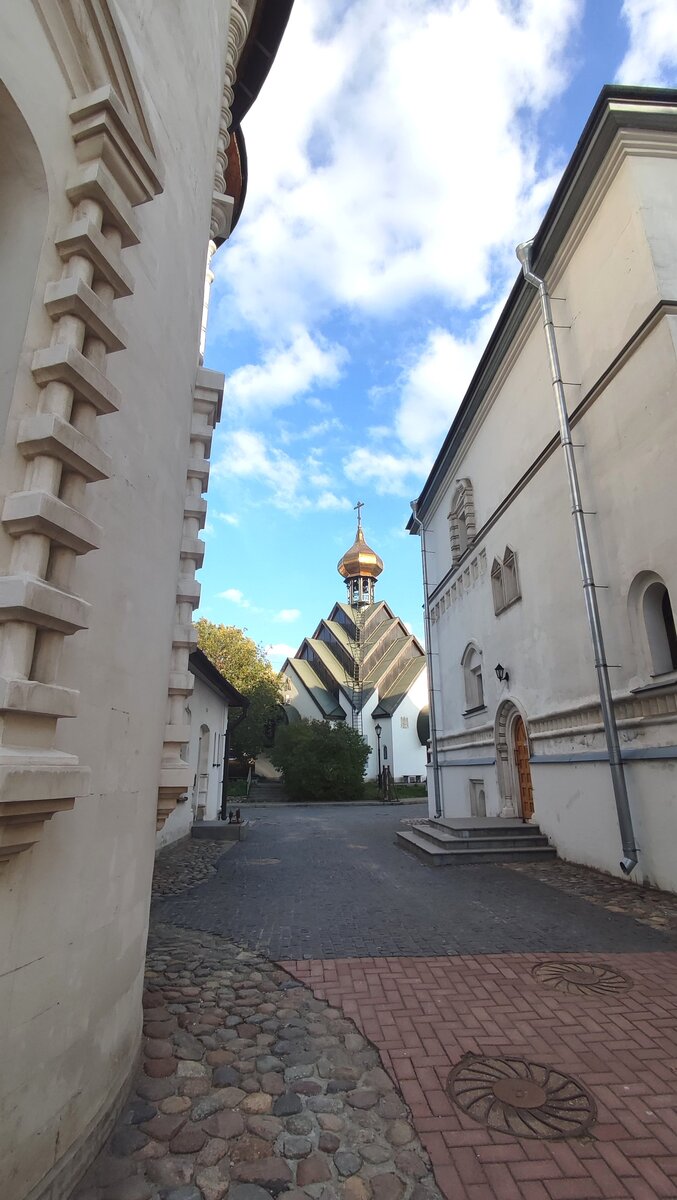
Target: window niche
(659,623)
(472,680)
(461,519)
(505,584)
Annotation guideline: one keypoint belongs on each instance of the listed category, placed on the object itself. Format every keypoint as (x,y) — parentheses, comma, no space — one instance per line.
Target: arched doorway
(512,763)
(522,768)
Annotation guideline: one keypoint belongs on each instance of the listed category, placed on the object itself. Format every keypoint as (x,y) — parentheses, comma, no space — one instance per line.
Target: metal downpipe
(429,656)
(629,861)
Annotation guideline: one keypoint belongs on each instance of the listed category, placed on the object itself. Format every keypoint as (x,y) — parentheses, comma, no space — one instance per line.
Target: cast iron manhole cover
(525,1099)
(582,978)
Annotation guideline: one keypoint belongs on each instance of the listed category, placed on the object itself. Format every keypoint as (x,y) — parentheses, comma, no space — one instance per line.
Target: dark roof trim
(205,670)
(616,108)
(258,54)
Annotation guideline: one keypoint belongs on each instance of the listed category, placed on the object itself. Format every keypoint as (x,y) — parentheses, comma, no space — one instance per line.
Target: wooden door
(523,769)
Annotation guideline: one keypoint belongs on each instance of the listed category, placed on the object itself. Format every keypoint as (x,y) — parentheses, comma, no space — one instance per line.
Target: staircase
(475,840)
(266,791)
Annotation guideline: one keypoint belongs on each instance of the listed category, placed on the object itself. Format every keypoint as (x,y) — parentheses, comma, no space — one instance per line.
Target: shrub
(321,761)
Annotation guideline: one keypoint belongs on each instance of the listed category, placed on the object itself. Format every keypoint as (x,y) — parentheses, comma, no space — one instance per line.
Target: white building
(121,173)
(214,704)
(362,665)
(518,713)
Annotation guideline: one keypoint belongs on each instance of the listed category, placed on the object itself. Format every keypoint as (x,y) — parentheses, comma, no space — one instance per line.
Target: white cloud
(287,481)
(235,596)
(284,373)
(228,518)
(387,472)
(651,57)
(288,614)
(387,187)
(279,651)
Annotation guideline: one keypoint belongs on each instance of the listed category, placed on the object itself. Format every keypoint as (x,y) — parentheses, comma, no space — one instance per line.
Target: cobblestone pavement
(619,1042)
(186,863)
(648,905)
(251,1086)
(330,882)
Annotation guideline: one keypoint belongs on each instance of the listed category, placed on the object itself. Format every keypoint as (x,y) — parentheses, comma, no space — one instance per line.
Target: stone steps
(267,791)
(439,845)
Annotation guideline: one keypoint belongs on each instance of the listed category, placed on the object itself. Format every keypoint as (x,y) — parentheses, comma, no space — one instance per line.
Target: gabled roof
(616,108)
(390,700)
(312,683)
(204,669)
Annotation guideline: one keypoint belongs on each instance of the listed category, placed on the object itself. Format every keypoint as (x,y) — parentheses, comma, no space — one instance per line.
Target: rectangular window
(404,722)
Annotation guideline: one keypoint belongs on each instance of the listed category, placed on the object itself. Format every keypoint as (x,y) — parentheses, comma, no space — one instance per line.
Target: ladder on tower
(357,682)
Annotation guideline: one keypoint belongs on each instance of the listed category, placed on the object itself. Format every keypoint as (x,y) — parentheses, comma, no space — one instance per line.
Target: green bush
(321,761)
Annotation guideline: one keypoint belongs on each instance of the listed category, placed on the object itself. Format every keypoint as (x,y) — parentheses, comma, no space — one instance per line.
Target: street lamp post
(377,731)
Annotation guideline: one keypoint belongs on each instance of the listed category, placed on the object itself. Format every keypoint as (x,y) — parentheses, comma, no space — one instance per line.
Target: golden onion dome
(360,560)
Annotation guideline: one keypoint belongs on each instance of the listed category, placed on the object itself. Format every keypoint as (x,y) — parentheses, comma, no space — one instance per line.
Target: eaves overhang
(617,108)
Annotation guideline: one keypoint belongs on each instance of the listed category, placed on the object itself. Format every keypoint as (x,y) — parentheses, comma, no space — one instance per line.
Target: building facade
(363,666)
(122,171)
(212,706)
(518,716)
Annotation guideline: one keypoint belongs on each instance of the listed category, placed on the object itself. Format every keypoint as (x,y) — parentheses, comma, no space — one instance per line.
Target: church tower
(360,566)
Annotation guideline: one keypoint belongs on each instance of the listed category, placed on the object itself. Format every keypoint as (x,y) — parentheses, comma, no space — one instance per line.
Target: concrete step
(445,840)
(437,855)
(484,827)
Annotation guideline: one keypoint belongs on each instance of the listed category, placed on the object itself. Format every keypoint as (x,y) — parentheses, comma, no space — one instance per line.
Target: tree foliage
(245,665)
(321,761)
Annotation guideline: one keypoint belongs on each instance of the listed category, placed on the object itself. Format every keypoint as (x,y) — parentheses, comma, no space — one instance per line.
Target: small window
(505,581)
(660,628)
(472,678)
(478,798)
(404,722)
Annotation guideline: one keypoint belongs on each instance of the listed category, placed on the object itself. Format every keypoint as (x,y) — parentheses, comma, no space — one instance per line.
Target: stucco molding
(113,171)
(175,775)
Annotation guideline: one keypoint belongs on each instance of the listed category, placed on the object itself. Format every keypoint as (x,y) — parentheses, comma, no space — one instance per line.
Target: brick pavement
(424,1014)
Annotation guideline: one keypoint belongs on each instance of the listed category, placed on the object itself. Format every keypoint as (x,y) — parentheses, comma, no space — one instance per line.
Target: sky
(397,154)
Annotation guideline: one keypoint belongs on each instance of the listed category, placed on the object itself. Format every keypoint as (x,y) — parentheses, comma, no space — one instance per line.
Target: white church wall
(74,908)
(627,433)
(207,710)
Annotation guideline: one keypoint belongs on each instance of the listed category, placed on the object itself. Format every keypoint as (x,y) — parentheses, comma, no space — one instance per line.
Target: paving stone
(331,1122)
(347,1162)
(194,1087)
(186,1069)
(294,1146)
(273,1174)
(387,1186)
(325,1104)
(212,1152)
(108,1170)
(329,1142)
(409,1163)
(357,1189)
(159,1068)
(400,1133)
(139,1111)
(157,1048)
(272,1083)
(164,1126)
(154,1089)
(265,1127)
(187,1046)
(390,1106)
(248,1148)
(287,1104)
(225,1076)
(188,1192)
(249,1191)
(314,1169)
(258,1104)
(211,1184)
(268,1062)
(301,1124)
(175,1104)
(188,1141)
(336,1086)
(210,1103)
(231,1096)
(375,1153)
(126,1140)
(170,1172)
(308,1087)
(158,1029)
(224,1125)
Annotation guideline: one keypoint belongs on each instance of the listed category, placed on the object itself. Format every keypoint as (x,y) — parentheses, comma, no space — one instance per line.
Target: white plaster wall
(74,910)
(207,707)
(626,464)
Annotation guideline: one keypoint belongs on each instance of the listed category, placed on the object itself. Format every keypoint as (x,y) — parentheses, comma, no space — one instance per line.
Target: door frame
(506,764)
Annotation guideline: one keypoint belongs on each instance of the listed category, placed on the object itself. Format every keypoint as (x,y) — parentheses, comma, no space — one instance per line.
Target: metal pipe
(429,655)
(629,861)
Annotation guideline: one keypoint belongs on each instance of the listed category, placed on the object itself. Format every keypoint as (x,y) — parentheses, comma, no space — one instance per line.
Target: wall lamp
(501,674)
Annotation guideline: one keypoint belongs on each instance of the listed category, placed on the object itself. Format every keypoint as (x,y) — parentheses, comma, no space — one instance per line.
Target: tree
(245,665)
(320,760)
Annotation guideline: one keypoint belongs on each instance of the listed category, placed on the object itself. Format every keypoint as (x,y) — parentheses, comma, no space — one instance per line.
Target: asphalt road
(329,882)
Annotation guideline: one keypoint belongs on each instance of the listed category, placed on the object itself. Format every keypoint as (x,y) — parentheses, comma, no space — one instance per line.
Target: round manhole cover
(582,978)
(525,1099)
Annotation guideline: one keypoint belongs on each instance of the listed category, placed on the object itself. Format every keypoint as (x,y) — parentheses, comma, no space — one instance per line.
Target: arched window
(659,622)
(461,519)
(472,679)
(505,584)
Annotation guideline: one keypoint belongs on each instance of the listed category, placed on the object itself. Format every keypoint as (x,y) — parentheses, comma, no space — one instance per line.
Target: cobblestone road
(330,883)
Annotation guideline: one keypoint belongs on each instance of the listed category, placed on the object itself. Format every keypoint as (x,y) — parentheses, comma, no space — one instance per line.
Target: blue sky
(397,154)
